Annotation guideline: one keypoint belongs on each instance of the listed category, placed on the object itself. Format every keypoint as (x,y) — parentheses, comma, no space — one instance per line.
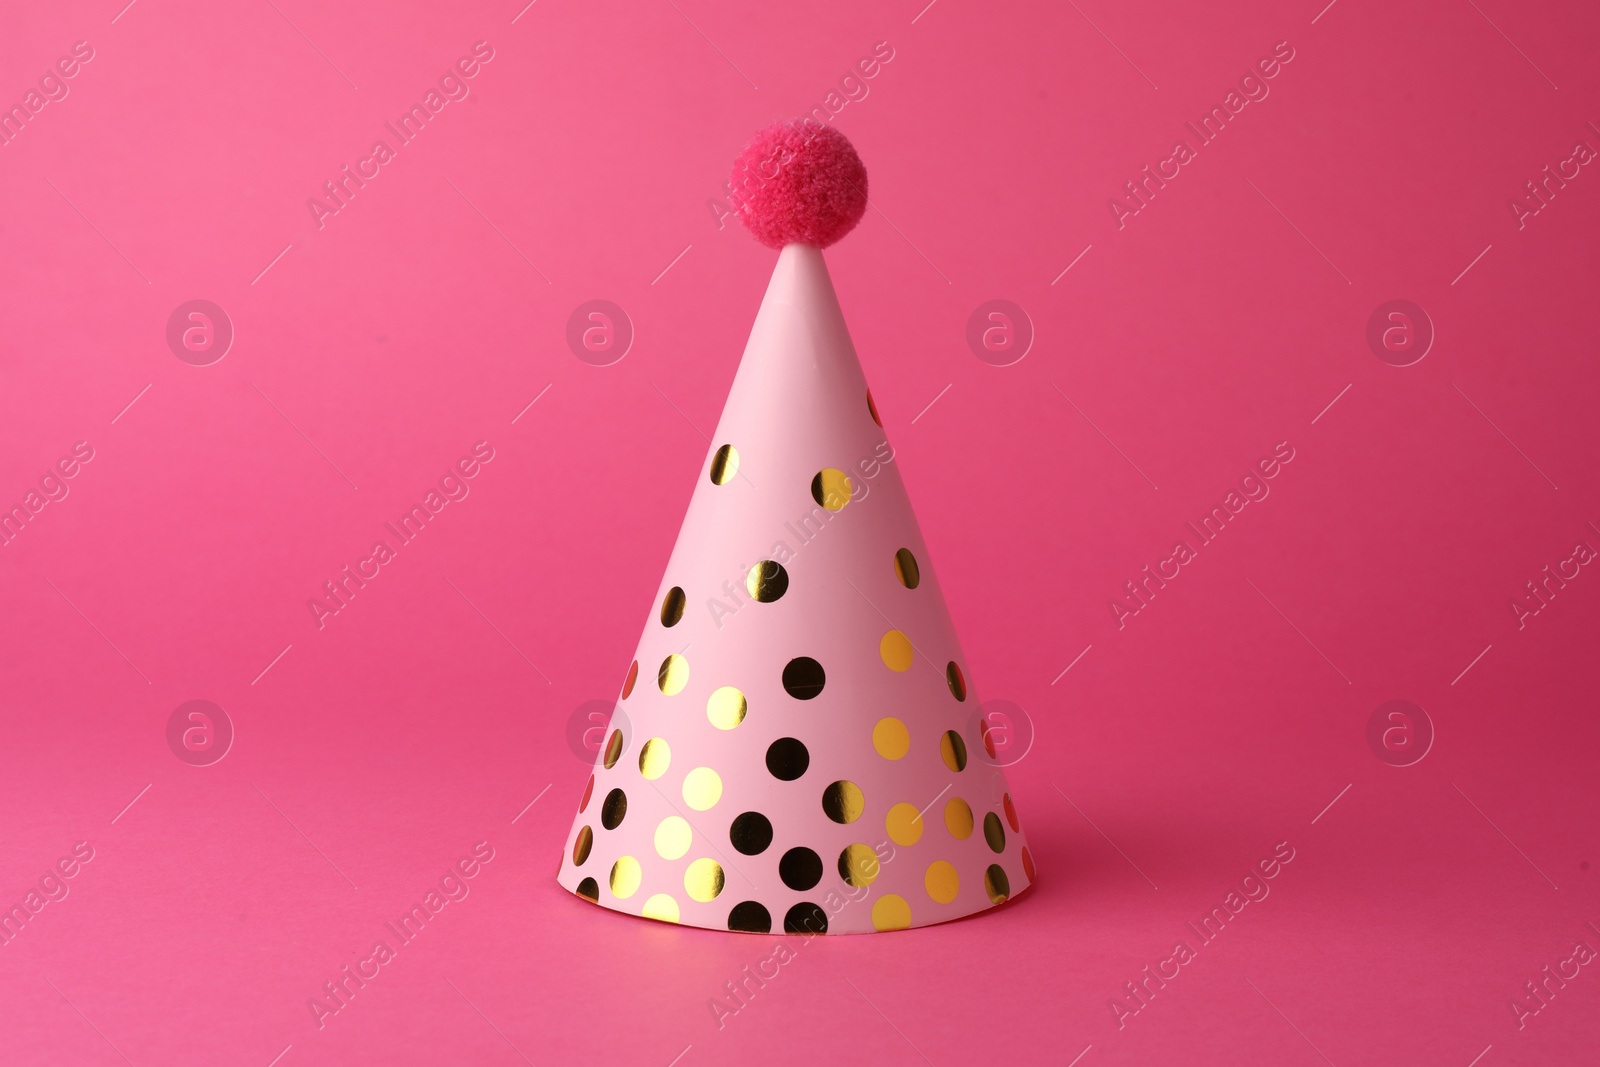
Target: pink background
(1223,318)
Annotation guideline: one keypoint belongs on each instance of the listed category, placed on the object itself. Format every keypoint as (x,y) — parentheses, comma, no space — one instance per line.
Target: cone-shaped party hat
(797,745)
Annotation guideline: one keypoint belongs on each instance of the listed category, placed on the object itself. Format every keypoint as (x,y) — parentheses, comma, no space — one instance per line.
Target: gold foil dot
(958,818)
(800,868)
(613,809)
(750,917)
(767,581)
(626,874)
(872,409)
(633,676)
(588,791)
(1011,812)
(703,880)
(953,751)
(996,884)
(891,738)
(654,758)
(751,833)
(905,569)
(891,912)
(672,606)
(942,882)
(803,678)
(589,890)
(1027,867)
(831,489)
(726,708)
(724,465)
(613,749)
(673,837)
(994,833)
(787,759)
(805,918)
(958,684)
(580,847)
(895,651)
(702,788)
(673,675)
(661,906)
(858,865)
(904,824)
(843,802)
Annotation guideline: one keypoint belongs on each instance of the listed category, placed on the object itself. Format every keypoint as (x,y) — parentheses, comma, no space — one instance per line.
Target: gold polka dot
(580,847)
(958,819)
(803,678)
(994,833)
(672,606)
(891,738)
(1027,866)
(626,874)
(905,568)
(726,708)
(953,751)
(661,906)
(724,465)
(633,676)
(872,409)
(702,788)
(613,809)
(654,758)
(942,882)
(703,880)
(766,581)
(613,749)
(673,675)
(751,833)
(673,837)
(831,489)
(958,683)
(843,802)
(996,884)
(858,865)
(904,824)
(895,650)
(589,890)
(891,912)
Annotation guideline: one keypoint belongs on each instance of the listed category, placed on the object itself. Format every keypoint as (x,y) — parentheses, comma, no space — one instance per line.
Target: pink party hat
(797,745)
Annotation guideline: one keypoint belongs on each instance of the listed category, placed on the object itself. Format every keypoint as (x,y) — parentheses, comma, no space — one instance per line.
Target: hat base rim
(852,910)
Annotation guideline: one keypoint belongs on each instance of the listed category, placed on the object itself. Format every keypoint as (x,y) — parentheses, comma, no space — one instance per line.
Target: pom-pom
(800,182)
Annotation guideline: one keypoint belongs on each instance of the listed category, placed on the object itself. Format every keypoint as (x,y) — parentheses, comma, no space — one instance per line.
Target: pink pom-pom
(799,182)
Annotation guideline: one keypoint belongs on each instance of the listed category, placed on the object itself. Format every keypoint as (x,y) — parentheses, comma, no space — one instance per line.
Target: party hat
(797,745)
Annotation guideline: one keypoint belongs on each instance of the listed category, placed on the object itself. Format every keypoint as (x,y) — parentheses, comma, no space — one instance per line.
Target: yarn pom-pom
(799,182)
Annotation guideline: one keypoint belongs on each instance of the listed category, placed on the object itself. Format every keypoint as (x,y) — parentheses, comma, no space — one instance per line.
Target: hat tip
(799,182)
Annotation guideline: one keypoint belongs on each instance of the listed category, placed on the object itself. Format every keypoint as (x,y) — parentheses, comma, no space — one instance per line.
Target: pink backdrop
(1176,341)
